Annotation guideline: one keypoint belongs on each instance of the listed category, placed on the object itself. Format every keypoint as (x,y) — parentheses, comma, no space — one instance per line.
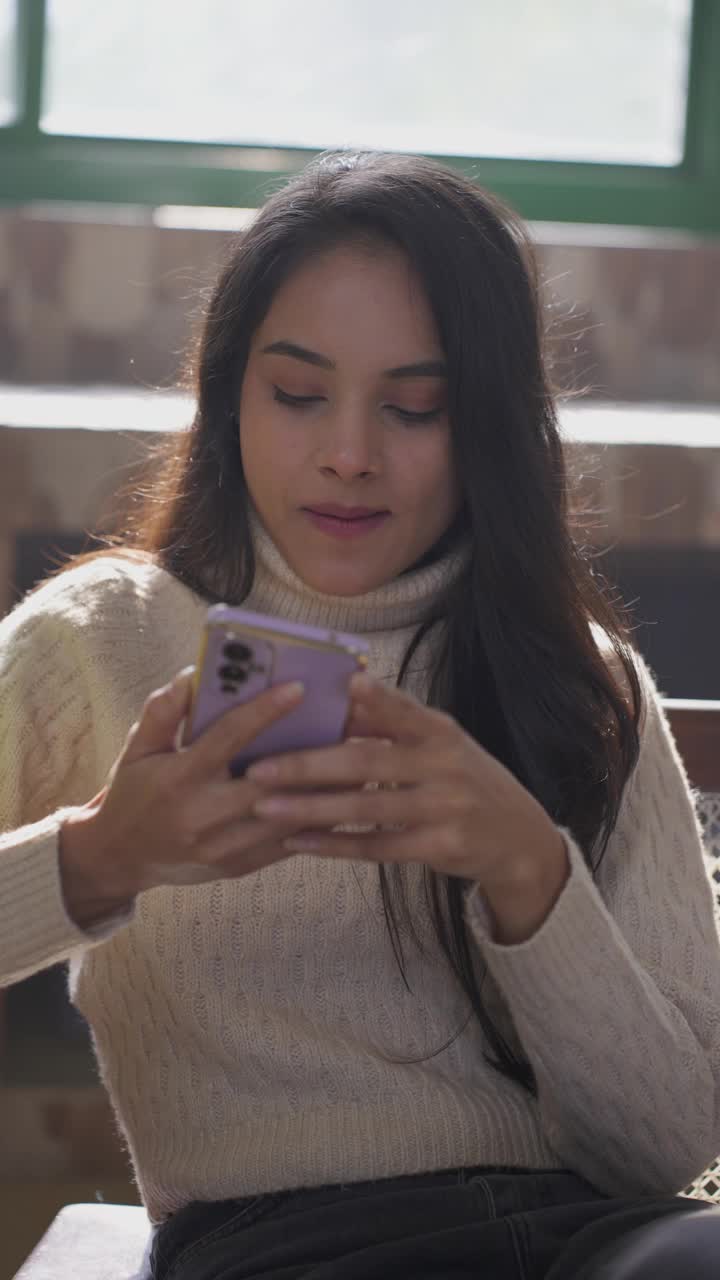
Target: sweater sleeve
(47,763)
(616,997)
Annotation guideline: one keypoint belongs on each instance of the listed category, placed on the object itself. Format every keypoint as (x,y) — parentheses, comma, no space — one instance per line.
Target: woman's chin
(342,581)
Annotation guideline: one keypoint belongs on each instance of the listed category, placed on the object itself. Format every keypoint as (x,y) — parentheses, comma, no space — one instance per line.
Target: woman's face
(344,403)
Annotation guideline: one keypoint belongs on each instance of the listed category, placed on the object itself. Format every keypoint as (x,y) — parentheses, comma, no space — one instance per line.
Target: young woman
(463,1023)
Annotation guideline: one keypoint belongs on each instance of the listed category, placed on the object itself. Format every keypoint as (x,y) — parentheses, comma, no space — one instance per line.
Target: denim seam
(518,1235)
(269,1201)
(484,1185)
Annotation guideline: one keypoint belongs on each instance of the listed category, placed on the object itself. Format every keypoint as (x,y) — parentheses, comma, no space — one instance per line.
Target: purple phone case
(238,661)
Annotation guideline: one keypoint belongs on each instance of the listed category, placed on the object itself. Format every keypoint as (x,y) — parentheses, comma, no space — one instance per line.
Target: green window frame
(35,166)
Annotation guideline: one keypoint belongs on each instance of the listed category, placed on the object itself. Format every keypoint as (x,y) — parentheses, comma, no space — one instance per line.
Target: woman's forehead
(351,298)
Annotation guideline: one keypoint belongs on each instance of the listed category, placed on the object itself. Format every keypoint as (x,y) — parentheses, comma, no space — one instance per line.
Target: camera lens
(236,651)
(230,673)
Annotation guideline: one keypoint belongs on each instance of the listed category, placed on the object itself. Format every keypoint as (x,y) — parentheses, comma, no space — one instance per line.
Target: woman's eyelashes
(294,402)
(405,415)
(415,415)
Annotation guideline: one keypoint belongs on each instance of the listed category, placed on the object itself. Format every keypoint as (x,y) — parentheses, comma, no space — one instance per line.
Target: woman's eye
(405,415)
(409,415)
(295,402)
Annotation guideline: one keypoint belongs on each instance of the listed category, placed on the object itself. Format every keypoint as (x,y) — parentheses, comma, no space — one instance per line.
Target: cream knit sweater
(256,1034)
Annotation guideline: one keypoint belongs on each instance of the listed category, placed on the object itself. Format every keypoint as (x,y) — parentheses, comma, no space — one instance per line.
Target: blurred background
(137,140)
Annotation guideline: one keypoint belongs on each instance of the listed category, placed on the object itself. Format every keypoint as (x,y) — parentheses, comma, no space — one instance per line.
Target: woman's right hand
(172,815)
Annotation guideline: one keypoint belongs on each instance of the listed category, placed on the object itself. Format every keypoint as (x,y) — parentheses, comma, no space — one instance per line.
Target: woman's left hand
(458,809)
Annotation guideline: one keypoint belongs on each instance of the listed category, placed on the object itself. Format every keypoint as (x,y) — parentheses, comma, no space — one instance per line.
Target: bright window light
(601,81)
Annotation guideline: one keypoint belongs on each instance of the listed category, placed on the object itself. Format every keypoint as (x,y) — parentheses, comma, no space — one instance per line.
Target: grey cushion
(92,1242)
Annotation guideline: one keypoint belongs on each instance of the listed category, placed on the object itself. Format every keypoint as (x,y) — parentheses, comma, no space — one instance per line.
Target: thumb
(164,710)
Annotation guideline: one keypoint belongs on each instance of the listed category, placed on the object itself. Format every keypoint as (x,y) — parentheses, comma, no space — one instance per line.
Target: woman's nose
(350,447)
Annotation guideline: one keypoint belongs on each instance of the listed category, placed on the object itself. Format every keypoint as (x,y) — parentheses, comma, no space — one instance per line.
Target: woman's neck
(404,601)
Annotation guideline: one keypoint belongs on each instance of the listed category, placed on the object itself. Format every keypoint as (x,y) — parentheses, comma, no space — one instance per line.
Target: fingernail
(361,682)
(289,692)
(181,677)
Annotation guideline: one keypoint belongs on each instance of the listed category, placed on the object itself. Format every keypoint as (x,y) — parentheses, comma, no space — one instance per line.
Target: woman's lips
(340,527)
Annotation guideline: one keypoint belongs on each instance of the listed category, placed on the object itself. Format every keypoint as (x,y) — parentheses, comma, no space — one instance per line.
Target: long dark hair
(518,664)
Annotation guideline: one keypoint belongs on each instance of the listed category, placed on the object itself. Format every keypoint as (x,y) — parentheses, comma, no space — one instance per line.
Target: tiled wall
(86,300)
(648,317)
(640,496)
(98,302)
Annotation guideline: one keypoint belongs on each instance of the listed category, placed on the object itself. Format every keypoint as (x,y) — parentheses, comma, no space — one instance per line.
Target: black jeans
(462,1224)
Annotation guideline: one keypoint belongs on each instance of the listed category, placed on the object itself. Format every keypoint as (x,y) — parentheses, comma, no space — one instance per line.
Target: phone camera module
(233,674)
(236,651)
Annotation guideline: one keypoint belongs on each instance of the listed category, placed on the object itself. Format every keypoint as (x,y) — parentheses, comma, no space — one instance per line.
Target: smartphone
(243,653)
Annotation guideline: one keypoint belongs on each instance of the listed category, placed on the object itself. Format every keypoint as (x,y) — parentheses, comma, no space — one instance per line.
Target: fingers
(246,846)
(385,711)
(227,736)
(408,807)
(229,804)
(413,844)
(160,719)
(350,764)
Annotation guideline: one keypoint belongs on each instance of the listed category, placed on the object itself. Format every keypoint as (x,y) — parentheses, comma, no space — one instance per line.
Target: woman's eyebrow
(297,353)
(420,369)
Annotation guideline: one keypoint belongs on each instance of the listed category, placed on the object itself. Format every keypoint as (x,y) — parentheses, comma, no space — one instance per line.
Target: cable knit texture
(256,1034)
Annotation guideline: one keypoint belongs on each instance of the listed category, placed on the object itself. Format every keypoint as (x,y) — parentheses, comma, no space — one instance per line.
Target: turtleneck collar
(402,602)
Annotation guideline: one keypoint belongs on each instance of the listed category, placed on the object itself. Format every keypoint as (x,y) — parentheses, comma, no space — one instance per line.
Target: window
(552,81)
(607,111)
